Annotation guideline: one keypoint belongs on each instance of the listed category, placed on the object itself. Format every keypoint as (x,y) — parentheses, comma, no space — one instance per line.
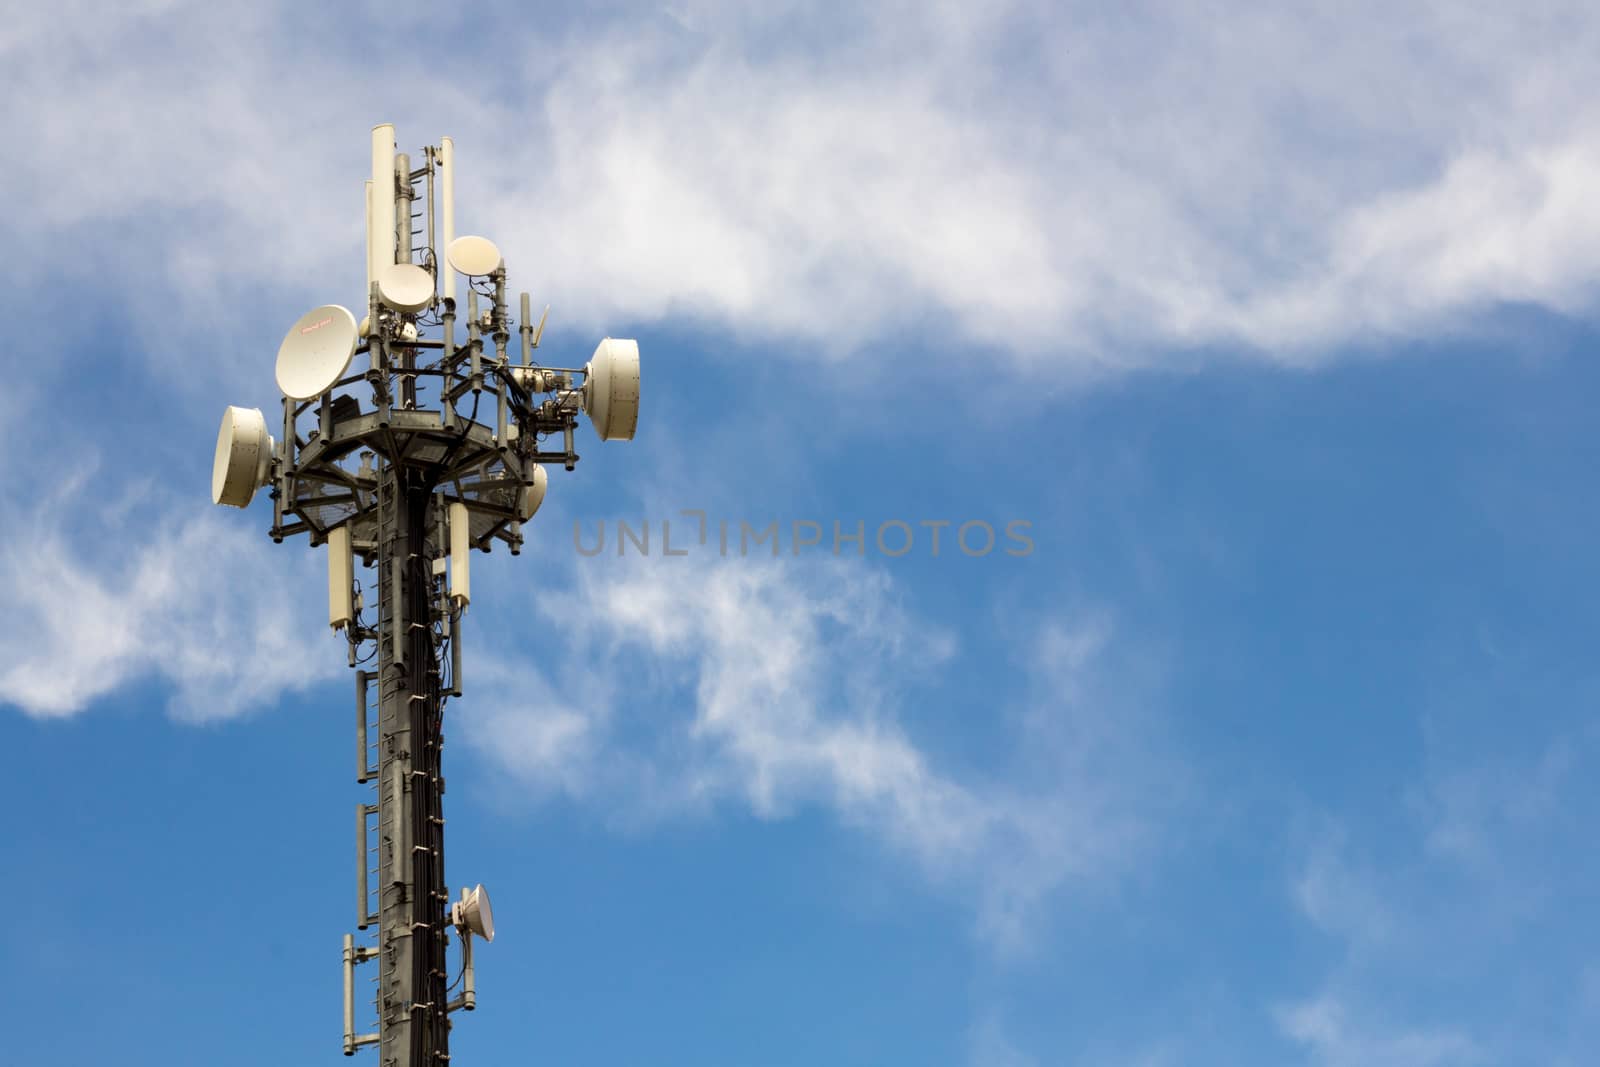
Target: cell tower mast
(390,466)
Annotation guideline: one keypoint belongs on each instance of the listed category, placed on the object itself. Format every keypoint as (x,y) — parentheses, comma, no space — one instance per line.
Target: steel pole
(413,1027)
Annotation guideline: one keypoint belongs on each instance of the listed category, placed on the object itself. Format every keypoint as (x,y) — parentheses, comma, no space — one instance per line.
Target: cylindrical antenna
(383,195)
(372,252)
(526,330)
(341,577)
(460,555)
(447,212)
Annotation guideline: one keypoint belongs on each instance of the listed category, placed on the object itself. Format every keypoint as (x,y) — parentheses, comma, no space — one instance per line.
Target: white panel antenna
(341,578)
(382,197)
(460,554)
(372,253)
(316,352)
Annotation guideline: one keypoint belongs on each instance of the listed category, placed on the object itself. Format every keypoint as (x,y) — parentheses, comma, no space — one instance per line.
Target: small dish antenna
(316,352)
(244,455)
(474,256)
(472,913)
(611,389)
(405,287)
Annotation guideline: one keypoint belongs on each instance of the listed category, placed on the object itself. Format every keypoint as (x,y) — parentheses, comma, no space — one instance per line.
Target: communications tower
(404,449)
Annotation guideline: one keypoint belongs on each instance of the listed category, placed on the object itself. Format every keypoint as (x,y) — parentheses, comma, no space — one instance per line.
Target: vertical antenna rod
(447,212)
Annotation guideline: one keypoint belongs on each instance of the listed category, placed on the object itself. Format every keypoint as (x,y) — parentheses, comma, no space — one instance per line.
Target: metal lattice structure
(405,453)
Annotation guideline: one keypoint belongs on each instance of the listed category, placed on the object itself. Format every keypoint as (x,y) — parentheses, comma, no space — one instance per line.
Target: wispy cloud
(1333,1039)
(779,688)
(1431,920)
(99,600)
(990,1046)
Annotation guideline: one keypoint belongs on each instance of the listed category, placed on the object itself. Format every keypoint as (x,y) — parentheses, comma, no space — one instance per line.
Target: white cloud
(1496,226)
(1340,898)
(1451,927)
(990,1046)
(1078,185)
(202,601)
(779,687)
(1322,1025)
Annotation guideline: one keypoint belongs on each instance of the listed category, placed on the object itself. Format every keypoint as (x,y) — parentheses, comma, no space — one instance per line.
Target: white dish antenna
(533,495)
(405,287)
(316,352)
(472,912)
(244,455)
(611,389)
(474,256)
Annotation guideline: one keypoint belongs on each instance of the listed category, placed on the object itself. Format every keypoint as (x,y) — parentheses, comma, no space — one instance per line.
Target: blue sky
(1274,327)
